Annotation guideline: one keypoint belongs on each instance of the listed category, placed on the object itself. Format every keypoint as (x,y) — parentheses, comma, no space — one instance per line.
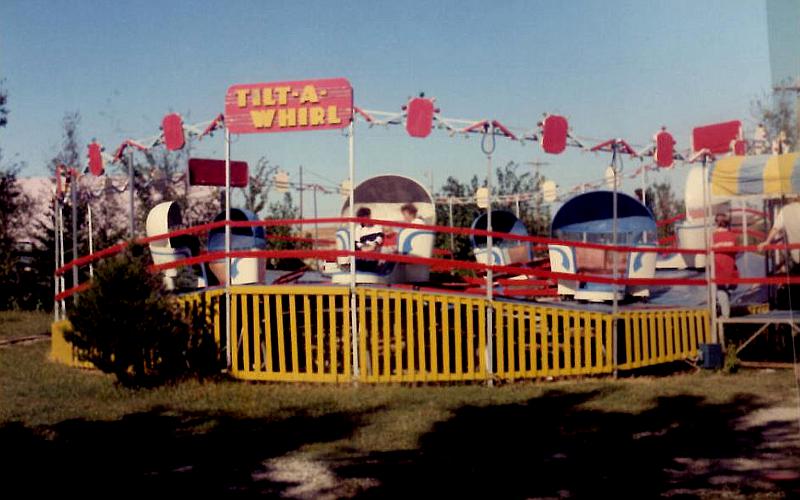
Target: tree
(463,214)
(777,113)
(3,106)
(533,212)
(510,181)
(16,285)
(256,193)
(665,205)
(15,211)
(128,325)
(284,237)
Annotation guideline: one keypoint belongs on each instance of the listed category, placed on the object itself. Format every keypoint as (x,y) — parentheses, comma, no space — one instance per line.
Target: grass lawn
(64,430)
(15,324)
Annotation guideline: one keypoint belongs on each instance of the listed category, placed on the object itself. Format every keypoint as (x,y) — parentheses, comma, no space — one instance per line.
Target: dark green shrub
(128,325)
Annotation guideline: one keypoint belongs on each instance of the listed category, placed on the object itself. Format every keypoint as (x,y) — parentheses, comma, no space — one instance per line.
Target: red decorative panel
(419,120)
(716,138)
(95,159)
(554,134)
(207,172)
(665,149)
(172,126)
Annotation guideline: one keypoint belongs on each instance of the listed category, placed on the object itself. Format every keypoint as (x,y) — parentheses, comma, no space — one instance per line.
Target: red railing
(434,262)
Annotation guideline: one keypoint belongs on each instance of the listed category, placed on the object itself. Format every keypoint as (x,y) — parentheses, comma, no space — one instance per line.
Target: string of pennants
(548,191)
(420,115)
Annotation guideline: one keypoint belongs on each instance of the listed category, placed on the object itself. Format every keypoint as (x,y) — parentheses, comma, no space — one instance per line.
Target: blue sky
(614,68)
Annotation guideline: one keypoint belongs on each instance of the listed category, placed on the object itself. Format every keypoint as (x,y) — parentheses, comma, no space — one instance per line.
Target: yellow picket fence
(533,341)
(653,337)
(290,333)
(303,334)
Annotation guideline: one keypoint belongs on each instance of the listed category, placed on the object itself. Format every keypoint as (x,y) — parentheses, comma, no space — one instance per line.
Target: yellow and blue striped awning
(763,175)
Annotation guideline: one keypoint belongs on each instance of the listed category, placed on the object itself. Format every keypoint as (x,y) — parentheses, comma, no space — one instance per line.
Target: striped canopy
(763,175)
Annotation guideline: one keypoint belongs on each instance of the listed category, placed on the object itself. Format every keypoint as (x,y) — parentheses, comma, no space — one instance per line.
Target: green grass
(38,392)
(370,432)
(24,323)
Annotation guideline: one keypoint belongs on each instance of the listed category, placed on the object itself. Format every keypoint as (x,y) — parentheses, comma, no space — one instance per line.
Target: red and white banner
(289,106)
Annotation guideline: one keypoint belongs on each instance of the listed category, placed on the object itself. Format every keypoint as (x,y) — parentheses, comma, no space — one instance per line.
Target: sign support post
(489,129)
(353,315)
(615,261)
(228,343)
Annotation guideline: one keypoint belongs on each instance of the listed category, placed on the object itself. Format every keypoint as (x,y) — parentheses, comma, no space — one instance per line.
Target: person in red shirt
(724,261)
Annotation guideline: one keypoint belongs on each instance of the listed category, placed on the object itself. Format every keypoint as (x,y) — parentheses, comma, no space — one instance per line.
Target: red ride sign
(289,106)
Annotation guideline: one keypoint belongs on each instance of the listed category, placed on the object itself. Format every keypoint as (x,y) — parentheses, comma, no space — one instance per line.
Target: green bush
(732,362)
(128,325)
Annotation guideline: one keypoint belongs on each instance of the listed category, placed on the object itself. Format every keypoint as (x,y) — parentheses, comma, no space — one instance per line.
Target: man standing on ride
(724,262)
(787,227)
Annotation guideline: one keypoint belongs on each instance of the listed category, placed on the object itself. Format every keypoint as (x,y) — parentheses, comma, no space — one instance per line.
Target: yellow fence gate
(304,334)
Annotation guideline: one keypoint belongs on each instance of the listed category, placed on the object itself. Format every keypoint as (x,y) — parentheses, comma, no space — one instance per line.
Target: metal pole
(91,237)
(57,207)
(709,267)
(489,274)
(74,197)
(797,117)
(316,225)
(131,221)
(516,204)
(61,252)
(301,197)
(450,219)
(353,315)
(228,343)
(644,185)
(743,215)
(615,260)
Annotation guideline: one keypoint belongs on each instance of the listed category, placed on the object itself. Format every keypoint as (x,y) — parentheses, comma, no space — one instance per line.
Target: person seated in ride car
(369,238)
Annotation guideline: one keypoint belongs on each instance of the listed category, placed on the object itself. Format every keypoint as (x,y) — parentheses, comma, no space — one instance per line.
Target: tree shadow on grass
(552,446)
(158,453)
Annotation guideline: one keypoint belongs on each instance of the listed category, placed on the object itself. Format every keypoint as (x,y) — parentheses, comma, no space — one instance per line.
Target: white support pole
(489,275)
(353,316)
(91,237)
(228,343)
(644,185)
(62,280)
(615,259)
(56,279)
(132,220)
(711,292)
(73,191)
(746,242)
(316,215)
